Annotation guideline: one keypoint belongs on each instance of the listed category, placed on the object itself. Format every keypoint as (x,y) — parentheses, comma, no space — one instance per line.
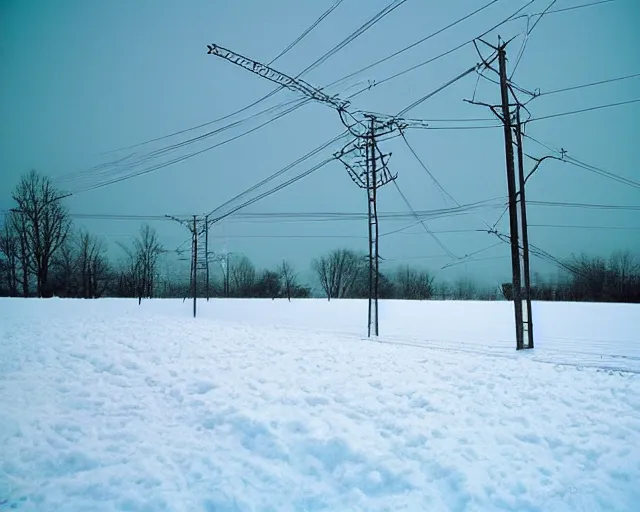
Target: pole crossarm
(294,84)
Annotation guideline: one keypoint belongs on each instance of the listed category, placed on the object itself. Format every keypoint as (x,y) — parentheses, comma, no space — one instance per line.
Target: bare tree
(243,274)
(10,257)
(623,272)
(20,227)
(464,289)
(92,265)
(412,284)
(44,224)
(64,270)
(138,270)
(147,252)
(288,277)
(589,278)
(338,272)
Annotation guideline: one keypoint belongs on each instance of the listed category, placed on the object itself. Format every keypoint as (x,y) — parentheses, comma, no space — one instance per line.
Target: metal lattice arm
(294,84)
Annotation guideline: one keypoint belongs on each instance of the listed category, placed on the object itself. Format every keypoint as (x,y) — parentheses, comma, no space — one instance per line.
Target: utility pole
(194,281)
(511,184)
(193,228)
(528,323)
(368,169)
(369,148)
(206,253)
(373,221)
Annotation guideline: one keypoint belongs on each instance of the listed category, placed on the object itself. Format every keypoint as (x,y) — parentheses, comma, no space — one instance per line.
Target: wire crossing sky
(218,139)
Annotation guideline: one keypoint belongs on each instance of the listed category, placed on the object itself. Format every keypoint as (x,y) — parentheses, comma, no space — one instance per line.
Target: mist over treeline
(42,254)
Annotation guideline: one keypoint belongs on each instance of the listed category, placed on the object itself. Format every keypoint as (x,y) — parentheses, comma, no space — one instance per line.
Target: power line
(103,169)
(422,223)
(381,14)
(577,226)
(561,114)
(190,155)
(275,189)
(439,89)
(426,169)
(526,37)
(413,45)
(335,49)
(585,205)
(488,127)
(307,31)
(572,8)
(620,179)
(253,104)
(361,30)
(280,172)
(588,167)
(592,84)
(452,50)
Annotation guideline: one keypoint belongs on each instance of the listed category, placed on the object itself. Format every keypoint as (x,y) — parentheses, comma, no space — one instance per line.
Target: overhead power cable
(578,226)
(588,167)
(361,30)
(250,105)
(452,50)
(572,8)
(279,173)
(121,164)
(185,157)
(598,107)
(439,89)
(413,45)
(592,84)
(585,205)
(380,15)
(307,31)
(601,172)
(426,169)
(275,189)
(526,37)
(422,223)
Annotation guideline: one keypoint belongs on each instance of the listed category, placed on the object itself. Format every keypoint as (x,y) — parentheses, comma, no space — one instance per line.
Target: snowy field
(265,405)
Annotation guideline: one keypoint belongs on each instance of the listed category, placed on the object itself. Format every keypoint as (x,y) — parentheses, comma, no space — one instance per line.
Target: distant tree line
(43,255)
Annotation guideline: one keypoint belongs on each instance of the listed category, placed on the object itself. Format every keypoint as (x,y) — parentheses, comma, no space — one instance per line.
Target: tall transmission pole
(198,227)
(506,116)
(511,185)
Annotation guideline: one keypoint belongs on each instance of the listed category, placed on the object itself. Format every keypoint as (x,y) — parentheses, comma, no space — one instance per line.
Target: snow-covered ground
(266,405)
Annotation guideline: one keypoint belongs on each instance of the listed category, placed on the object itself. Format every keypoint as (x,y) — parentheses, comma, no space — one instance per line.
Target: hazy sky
(83,78)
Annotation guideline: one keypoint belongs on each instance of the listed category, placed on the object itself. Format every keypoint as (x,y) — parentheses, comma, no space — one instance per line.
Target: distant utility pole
(194,252)
(206,252)
(198,227)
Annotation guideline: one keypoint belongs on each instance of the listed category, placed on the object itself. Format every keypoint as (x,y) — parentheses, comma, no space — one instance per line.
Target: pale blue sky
(81,78)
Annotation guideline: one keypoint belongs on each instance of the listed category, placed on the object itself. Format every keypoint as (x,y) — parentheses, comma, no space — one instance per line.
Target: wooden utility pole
(206,253)
(374,194)
(372,208)
(528,322)
(194,286)
(511,184)
(368,148)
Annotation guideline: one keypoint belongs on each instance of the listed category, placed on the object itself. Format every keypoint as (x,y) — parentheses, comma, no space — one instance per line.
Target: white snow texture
(275,406)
